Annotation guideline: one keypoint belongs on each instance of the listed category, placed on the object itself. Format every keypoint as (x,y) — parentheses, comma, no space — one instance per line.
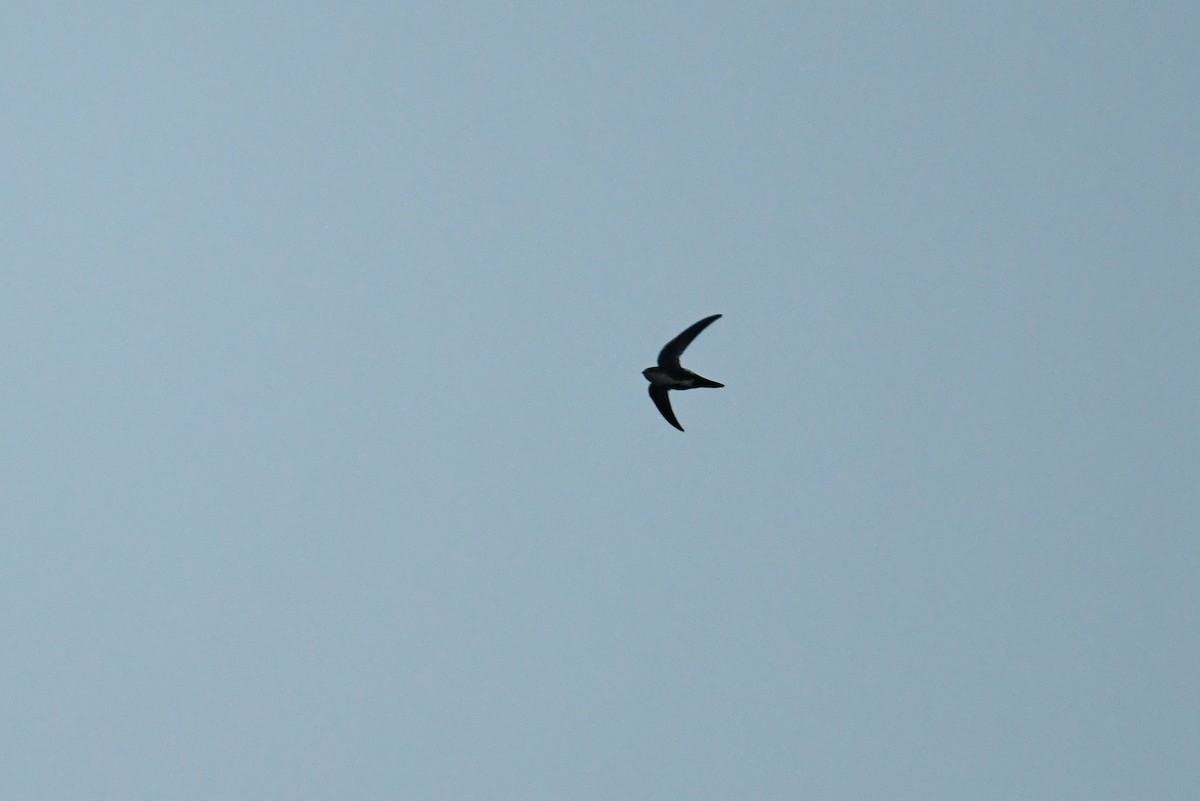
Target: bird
(669,374)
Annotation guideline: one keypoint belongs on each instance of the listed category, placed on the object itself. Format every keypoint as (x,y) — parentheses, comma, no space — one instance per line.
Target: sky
(329,471)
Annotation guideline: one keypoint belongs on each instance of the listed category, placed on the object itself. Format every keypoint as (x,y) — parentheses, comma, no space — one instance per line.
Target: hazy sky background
(329,471)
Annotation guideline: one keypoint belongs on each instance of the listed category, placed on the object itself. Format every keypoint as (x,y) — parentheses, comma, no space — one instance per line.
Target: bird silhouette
(670,374)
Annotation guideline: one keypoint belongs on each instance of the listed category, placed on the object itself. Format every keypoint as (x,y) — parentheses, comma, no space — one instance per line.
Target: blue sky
(330,471)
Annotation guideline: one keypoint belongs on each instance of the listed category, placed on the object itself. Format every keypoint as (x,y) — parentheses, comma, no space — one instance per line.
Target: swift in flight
(670,374)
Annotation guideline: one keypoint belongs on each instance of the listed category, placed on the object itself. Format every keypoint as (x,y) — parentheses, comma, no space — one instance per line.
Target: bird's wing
(659,396)
(669,355)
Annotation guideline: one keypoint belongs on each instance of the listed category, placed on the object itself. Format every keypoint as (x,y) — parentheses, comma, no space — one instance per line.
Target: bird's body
(669,374)
(677,379)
